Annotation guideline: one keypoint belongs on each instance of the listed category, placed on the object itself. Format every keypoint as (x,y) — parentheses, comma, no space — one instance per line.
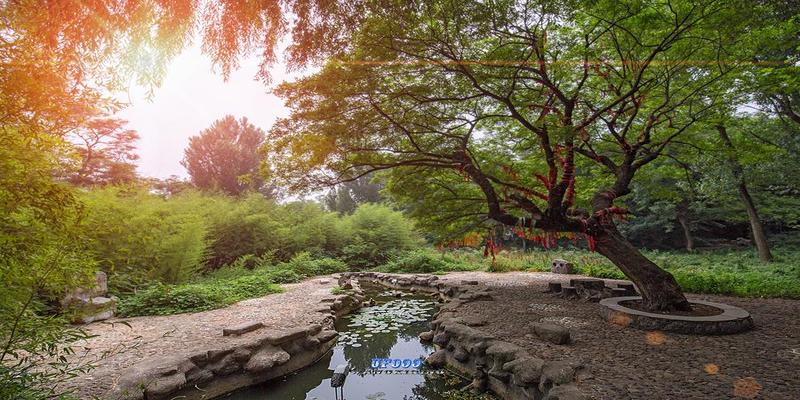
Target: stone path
(118,345)
(632,364)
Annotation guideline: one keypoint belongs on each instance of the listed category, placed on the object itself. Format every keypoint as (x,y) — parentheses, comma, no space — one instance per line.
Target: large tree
(225,157)
(509,96)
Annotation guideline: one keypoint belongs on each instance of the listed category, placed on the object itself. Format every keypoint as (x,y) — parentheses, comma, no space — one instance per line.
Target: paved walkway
(118,345)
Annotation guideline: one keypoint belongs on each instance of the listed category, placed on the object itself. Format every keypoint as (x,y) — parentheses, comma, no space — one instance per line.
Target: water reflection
(388,330)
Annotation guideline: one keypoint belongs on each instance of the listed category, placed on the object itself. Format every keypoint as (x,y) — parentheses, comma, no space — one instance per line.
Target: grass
(730,272)
(225,286)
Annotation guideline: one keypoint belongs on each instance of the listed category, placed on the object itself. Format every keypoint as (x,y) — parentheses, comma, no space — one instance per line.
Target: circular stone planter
(730,320)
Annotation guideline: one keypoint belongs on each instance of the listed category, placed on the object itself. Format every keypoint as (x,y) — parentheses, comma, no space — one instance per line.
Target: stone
(554,287)
(266,358)
(91,310)
(469,282)
(552,333)
(437,359)
(565,392)
(426,336)
(164,385)
(559,266)
(327,335)
(278,337)
(242,328)
(587,284)
(441,339)
(556,373)
(460,354)
(225,366)
(525,371)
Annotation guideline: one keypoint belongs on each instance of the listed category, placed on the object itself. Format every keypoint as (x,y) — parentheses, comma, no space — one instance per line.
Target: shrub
(425,261)
(305,265)
(139,238)
(161,299)
(378,234)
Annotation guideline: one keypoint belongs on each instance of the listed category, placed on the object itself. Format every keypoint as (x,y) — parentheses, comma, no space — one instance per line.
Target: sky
(190,98)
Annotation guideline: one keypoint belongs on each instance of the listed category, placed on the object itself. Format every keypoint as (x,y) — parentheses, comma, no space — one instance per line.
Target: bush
(139,238)
(305,265)
(161,299)
(378,234)
(425,261)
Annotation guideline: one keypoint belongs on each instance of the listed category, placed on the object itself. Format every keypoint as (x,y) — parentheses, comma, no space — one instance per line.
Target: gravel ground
(625,363)
(117,345)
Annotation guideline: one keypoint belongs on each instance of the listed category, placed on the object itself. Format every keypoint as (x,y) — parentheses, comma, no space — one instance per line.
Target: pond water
(387,330)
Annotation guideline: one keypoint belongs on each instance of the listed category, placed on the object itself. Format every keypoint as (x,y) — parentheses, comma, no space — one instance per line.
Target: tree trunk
(660,291)
(682,213)
(756,227)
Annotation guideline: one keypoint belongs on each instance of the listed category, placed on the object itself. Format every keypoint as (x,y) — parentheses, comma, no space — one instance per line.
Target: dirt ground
(625,363)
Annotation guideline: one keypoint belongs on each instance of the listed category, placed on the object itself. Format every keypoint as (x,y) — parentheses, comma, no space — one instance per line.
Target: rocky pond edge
(506,369)
(258,355)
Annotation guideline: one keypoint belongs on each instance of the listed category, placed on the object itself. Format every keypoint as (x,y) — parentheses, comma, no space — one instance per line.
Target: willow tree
(511,96)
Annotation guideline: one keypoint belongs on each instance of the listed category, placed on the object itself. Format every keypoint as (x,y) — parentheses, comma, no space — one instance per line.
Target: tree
(529,89)
(106,151)
(225,157)
(347,196)
(756,226)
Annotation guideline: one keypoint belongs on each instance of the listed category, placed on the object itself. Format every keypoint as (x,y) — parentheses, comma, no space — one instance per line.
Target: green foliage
(305,265)
(139,238)
(206,294)
(42,255)
(378,233)
(338,290)
(425,261)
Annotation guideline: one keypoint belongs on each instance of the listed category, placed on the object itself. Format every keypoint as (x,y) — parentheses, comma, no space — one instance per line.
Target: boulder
(555,334)
(426,336)
(437,359)
(559,266)
(266,358)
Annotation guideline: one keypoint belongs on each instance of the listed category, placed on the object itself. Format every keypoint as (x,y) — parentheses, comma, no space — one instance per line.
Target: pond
(380,344)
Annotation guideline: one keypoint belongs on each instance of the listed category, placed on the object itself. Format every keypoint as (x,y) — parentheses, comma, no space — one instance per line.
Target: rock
(327,335)
(554,287)
(266,358)
(526,371)
(469,282)
(437,359)
(474,320)
(164,385)
(426,336)
(441,339)
(587,284)
(91,310)
(278,337)
(242,328)
(565,392)
(559,266)
(555,334)
(225,366)
(556,373)
(460,354)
